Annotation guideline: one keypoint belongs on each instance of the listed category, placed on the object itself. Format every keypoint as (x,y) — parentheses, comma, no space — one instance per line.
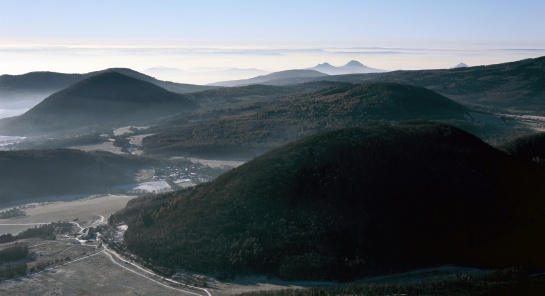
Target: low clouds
(80,59)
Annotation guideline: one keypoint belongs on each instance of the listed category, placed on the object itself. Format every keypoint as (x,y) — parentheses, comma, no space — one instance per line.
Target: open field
(106,146)
(85,210)
(94,275)
(214,163)
(83,269)
(128,130)
(137,140)
(259,283)
(536,123)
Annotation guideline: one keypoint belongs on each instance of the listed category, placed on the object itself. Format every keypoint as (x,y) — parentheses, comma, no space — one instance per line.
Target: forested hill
(289,118)
(349,203)
(517,85)
(529,148)
(106,98)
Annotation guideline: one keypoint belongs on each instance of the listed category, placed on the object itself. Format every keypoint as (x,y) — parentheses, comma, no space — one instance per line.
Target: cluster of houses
(183,173)
(88,234)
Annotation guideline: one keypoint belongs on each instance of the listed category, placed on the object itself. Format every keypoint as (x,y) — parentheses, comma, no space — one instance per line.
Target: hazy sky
(80,36)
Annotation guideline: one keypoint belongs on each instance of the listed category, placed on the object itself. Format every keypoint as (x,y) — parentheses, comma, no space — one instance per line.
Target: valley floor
(97,274)
(85,209)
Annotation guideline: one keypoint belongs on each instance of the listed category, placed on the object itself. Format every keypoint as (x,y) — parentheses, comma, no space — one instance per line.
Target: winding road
(116,259)
(111,254)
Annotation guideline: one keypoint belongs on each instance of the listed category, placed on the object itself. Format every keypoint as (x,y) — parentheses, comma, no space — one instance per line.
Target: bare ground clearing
(106,146)
(128,130)
(137,140)
(260,283)
(214,163)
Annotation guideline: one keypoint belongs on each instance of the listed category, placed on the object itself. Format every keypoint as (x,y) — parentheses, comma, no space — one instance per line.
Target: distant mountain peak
(354,63)
(461,65)
(352,67)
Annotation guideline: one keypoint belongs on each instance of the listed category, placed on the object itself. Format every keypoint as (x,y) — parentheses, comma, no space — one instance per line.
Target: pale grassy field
(85,210)
(96,275)
(216,163)
(106,146)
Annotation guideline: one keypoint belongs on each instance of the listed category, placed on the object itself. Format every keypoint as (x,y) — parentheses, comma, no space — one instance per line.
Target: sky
(202,39)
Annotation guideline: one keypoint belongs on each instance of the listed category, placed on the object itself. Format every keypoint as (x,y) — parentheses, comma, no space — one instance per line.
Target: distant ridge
(352,67)
(54,81)
(276,78)
(105,98)
(168,85)
(204,75)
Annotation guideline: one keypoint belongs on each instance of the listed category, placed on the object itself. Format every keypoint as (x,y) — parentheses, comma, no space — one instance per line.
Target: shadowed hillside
(248,92)
(349,203)
(529,148)
(37,173)
(289,118)
(106,98)
(518,85)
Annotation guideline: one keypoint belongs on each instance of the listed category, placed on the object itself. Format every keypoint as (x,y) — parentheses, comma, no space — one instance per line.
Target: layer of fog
(68,59)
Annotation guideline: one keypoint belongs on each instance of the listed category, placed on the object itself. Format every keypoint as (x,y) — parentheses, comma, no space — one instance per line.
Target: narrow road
(79,226)
(22,224)
(99,221)
(111,254)
(108,251)
(96,223)
(144,276)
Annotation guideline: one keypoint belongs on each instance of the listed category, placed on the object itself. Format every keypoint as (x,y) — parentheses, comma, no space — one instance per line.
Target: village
(174,176)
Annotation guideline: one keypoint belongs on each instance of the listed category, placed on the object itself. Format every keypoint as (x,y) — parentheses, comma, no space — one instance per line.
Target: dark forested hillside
(37,173)
(518,85)
(276,122)
(228,97)
(349,203)
(530,148)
